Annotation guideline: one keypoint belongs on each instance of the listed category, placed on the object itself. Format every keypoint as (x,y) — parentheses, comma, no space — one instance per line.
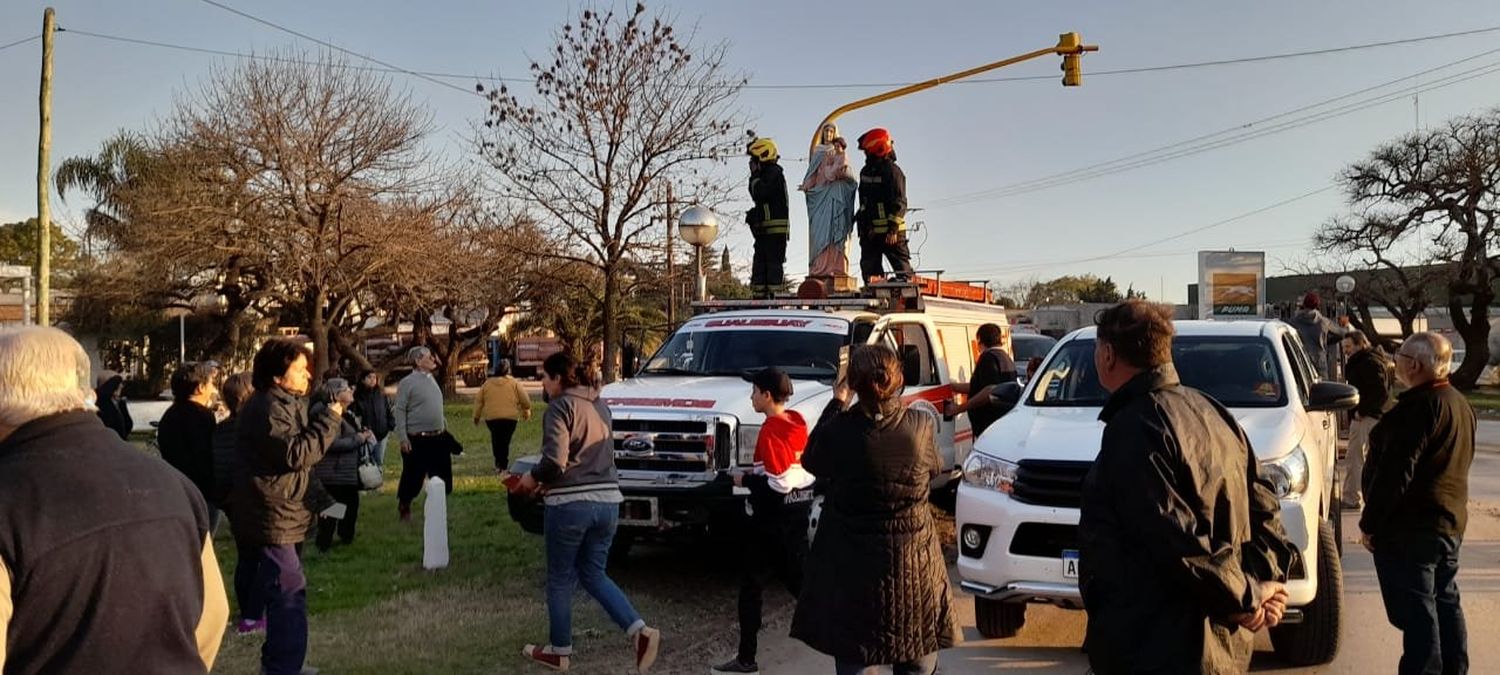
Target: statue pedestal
(826,286)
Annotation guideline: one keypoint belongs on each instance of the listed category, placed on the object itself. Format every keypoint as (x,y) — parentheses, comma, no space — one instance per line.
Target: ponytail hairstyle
(570,371)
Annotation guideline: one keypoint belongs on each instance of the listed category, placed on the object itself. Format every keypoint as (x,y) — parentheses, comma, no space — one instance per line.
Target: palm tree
(105,177)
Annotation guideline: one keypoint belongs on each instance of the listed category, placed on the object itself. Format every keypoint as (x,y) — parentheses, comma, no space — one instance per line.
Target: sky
(1141,225)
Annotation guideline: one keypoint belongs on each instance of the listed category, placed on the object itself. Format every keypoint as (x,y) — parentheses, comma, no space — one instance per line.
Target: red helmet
(877,142)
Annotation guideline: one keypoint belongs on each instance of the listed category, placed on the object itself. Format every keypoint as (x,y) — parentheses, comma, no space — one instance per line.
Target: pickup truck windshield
(807,349)
(1239,372)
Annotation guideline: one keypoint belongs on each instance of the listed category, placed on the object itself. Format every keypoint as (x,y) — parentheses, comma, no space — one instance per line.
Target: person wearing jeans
(582,513)
(279,444)
(1416,486)
(1418,581)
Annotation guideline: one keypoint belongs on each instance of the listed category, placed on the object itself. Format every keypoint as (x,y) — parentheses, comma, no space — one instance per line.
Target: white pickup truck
(1018,504)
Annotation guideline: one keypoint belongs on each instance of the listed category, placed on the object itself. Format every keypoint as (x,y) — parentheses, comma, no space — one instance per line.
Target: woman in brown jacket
(876,586)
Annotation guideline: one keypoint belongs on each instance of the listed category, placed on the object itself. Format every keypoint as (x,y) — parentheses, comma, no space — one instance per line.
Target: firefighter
(882,209)
(768,220)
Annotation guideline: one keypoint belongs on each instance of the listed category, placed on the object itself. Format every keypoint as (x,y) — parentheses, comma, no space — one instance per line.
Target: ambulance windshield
(804,348)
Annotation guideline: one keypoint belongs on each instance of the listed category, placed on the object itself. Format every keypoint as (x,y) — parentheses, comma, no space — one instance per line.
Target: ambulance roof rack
(789,303)
(893,295)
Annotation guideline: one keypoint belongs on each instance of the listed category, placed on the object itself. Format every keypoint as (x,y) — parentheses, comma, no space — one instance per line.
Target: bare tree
(1433,197)
(621,105)
(307,181)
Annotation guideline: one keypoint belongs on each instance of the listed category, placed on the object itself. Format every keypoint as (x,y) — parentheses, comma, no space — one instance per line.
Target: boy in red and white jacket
(780,503)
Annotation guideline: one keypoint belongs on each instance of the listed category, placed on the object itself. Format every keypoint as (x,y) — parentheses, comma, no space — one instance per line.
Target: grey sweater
(578,453)
(419,405)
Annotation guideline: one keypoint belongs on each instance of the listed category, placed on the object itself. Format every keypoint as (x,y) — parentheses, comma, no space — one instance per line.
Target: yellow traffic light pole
(1069,45)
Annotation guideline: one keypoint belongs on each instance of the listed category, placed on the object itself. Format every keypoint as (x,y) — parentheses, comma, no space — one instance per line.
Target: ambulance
(684,421)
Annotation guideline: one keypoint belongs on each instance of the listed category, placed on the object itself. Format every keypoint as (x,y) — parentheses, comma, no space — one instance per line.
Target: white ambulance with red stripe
(684,421)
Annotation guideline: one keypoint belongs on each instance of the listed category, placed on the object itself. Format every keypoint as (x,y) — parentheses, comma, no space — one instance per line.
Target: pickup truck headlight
(746,438)
(1288,475)
(990,473)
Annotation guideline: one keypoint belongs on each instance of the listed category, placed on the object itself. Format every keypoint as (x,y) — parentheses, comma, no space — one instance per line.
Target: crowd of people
(1183,555)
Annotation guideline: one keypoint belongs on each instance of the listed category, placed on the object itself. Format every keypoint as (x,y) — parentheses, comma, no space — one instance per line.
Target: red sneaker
(647,644)
(544,657)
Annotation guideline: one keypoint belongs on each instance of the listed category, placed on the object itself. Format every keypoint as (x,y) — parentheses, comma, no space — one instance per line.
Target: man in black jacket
(1416,486)
(1181,550)
(186,430)
(769,220)
(279,446)
(881,217)
(106,561)
(1370,372)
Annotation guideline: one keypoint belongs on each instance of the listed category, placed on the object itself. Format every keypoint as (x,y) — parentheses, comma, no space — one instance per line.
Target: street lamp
(699,227)
(1345,285)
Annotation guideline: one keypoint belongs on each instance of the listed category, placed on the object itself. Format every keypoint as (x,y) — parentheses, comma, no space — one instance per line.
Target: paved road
(1049,643)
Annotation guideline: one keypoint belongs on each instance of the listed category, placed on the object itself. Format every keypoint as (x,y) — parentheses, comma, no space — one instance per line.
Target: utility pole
(671,264)
(43,168)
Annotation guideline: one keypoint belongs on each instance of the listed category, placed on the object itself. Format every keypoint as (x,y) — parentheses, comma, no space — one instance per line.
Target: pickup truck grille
(672,446)
(1046,482)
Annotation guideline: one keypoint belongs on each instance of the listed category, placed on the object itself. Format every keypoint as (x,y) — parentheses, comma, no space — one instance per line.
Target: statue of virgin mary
(831,186)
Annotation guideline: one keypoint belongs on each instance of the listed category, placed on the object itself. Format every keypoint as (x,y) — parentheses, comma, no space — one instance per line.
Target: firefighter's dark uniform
(882,217)
(770,225)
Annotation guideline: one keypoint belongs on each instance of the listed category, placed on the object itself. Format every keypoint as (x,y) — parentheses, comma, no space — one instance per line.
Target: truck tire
(525,513)
(1315,641)
(619,549)
(473,378)
(997,619)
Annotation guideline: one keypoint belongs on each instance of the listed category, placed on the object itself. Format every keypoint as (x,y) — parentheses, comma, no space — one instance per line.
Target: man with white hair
(106,563)
(1416,484)
(422,430)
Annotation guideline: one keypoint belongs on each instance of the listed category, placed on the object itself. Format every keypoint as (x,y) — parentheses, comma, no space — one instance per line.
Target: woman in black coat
(112,407)
(876,586)
(338,471)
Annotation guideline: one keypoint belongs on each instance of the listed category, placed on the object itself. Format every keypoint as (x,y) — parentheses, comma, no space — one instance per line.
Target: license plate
(640,512)
(1070,564)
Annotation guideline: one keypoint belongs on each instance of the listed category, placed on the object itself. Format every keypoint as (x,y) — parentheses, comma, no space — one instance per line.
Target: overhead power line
(20,42)
(1233,135)
(337,48)
(431,76)
(1125,252)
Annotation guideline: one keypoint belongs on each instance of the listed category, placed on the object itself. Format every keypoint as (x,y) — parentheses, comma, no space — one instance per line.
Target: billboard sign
(1231,284)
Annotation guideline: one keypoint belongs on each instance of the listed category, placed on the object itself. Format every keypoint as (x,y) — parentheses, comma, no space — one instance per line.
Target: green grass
(367,601)
(1486,402)
(374,610)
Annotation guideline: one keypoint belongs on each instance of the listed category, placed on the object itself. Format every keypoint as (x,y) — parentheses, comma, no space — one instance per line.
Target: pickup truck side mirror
(1332,397)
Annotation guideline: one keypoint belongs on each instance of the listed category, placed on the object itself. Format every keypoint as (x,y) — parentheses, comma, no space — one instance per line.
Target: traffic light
(1072,68)
(1070,46)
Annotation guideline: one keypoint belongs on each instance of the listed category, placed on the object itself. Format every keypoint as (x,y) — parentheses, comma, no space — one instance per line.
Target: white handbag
(371,475)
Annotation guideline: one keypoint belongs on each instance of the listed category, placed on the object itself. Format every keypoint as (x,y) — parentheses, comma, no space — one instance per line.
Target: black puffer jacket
(341,465)
(227,462)
(876,586)
(114,412)
(279,446)
(374,408)
(1177,527)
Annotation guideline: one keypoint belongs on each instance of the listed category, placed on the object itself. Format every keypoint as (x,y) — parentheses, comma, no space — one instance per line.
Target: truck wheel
(526,514)
(619,549)
(946,497)
(1315,641)
(473,378)
(998,619)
